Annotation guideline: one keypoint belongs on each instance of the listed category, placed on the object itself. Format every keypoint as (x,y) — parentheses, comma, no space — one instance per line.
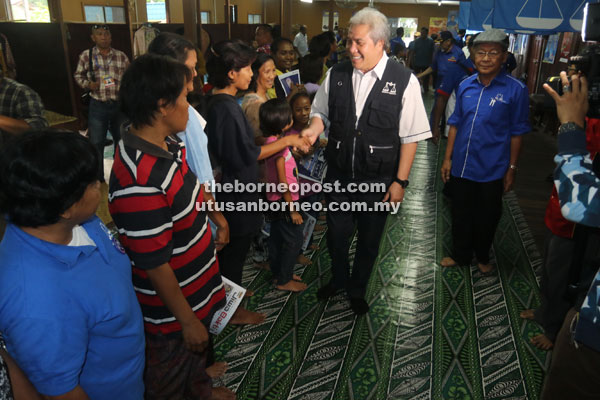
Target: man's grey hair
(377,22)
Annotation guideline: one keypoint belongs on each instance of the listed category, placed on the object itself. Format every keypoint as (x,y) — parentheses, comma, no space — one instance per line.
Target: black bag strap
(91,65)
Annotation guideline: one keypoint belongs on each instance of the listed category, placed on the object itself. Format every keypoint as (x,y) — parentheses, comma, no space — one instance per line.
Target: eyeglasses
(492,54)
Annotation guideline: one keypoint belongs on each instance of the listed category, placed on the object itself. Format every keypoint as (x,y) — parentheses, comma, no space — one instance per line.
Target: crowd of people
(87,314)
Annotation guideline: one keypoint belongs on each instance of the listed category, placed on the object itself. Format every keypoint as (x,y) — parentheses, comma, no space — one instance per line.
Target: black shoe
(326,292)
(359,305)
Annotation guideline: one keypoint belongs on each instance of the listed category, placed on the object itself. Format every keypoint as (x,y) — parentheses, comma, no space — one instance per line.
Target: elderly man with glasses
(486,128)
(100,70)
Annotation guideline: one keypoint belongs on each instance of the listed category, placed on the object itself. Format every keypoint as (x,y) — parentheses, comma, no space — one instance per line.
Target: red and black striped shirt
(152,199)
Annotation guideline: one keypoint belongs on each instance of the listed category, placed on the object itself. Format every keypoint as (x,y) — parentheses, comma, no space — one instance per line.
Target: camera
(588,61)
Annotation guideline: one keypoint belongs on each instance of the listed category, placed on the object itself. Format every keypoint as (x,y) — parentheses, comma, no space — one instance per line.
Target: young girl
(300,104)
(286,236)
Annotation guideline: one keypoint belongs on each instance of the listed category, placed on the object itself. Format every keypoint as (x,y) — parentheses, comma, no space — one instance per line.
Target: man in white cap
(486,128)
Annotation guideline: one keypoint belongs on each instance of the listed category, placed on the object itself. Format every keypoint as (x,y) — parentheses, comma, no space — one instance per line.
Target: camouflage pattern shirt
(578,192)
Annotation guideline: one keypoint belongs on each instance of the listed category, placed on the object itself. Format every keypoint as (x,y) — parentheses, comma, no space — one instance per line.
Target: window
(205,17)
(409,25)
(104,14)
(156,10)
(254,18)
(28,10)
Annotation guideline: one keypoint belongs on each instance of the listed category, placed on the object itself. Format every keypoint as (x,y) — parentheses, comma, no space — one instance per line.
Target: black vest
(369,150)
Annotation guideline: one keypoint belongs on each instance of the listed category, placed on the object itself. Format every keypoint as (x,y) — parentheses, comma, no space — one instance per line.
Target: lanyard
(105,68)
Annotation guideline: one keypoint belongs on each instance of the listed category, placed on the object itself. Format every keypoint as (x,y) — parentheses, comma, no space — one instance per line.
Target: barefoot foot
(527,314)
(485,268)
(292,286)
(246,317)
(302,259)
(217,370)
(313,246)
(296,278)
(222,393)
(542,342)
(249,293)
(448,262)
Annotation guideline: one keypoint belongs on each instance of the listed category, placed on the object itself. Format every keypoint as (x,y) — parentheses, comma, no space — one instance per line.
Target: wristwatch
(403,183)
(568,127)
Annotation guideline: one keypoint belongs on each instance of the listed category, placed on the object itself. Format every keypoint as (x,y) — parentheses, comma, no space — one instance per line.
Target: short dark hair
(265,28)
(274,116)
(43,173)
(148,80)
(400,31)
(425,29)
(277,44)
(297,96)
(319,45)
(261,58)
(311,68)
(172,45)
(228,56)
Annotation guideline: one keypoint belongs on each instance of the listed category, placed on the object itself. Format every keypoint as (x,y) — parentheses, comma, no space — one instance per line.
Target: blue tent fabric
(464,9)
(481,15)
(539,16)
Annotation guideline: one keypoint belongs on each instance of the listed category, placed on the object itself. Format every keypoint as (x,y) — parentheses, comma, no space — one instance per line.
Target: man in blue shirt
(68,311)
(484,140)
(445,100)
(398,47)
(449,54)
(422,54)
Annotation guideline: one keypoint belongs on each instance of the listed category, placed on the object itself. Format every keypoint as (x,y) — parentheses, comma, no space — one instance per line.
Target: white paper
(234,294)
(309,227)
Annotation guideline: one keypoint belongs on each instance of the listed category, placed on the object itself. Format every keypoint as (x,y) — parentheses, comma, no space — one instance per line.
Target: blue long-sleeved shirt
(578,187)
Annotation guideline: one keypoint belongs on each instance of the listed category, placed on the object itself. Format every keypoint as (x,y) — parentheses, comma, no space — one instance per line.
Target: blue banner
(539,16)
(463,14)
(481,15)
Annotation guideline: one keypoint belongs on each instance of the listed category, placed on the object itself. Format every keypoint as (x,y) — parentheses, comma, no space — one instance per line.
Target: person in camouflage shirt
(574,371)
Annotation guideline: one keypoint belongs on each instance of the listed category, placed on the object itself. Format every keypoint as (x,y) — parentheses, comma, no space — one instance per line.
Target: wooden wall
(38,52)
(310,14)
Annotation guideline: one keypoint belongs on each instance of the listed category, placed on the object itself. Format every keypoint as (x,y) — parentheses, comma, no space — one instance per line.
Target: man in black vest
(375,114)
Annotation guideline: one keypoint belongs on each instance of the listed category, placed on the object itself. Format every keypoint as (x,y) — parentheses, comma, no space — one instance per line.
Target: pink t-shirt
(291,171)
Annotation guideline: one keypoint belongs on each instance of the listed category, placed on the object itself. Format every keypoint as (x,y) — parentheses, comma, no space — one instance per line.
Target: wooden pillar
(56,16)
(264,12)
(286,17)
(228,17)
(130,7)
(331,11)
(189,21)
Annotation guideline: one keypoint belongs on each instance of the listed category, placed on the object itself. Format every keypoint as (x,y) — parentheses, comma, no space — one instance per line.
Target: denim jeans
(102,117)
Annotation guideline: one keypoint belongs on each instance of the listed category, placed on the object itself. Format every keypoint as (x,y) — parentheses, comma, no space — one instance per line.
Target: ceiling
(424,2)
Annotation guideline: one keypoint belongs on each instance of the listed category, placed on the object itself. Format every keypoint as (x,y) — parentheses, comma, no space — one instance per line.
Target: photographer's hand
(573,105)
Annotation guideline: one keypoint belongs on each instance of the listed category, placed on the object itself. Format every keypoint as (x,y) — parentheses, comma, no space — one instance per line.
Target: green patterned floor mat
(431,333)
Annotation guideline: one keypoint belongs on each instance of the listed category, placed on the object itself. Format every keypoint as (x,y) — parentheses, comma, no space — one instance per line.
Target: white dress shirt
(414,124)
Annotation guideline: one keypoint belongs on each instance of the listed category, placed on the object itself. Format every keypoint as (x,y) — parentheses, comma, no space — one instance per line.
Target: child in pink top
(285,240)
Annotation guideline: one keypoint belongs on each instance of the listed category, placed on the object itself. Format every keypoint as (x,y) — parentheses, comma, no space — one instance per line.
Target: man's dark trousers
(476,211)
(340,227)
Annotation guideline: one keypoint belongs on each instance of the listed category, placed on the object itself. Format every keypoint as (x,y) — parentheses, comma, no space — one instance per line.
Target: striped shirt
(152,199)
(107,69)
